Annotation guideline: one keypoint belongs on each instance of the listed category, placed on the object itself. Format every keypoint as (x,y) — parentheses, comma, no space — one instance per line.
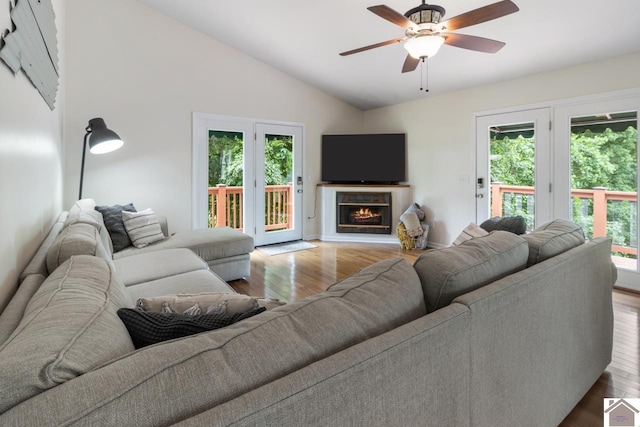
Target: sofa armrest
(162,220)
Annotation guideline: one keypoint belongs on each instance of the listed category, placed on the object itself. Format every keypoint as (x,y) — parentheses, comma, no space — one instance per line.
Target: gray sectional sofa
(501,330)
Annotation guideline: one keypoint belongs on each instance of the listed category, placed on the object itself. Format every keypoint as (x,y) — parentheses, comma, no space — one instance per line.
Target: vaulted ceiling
(304,38)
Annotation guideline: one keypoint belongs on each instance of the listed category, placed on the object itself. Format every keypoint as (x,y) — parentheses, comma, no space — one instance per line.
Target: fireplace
(363,213)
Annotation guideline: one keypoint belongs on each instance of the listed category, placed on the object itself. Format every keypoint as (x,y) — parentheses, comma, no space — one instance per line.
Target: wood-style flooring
(296,275)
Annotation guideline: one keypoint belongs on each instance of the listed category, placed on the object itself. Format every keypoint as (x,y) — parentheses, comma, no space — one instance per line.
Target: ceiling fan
(425,33)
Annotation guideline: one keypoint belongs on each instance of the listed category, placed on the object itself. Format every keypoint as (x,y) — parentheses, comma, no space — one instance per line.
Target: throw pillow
(112,217)
(415,208)
(514,224)
(142,227)
(148,328)
(472,230)
(411,223)
(235,303)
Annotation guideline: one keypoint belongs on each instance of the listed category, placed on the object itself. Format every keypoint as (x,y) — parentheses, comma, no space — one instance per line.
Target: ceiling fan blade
(373,46)
(479,44)
(410,64)
(482,14)
(392,16)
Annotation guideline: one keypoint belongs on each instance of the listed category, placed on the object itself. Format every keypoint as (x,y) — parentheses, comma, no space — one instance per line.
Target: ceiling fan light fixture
(426,13)
(424,46)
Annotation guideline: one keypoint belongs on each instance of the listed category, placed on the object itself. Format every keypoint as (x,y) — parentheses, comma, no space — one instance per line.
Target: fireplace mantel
(361,186)
(401,196)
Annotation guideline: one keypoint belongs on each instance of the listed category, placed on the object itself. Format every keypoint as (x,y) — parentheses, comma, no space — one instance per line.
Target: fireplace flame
(365,214)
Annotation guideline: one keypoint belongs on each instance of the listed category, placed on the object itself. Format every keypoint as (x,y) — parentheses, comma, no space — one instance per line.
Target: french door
(576,160)
(512,169)
(278,184)
(247,175)
(596,174)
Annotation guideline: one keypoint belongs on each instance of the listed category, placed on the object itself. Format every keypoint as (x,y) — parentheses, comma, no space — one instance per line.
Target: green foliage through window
(598,159)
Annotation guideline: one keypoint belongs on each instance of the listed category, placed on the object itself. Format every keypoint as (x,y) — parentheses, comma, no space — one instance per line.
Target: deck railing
(226,207)
(600,196)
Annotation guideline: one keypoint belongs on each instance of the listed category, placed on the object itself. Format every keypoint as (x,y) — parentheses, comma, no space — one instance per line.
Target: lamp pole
(84,152)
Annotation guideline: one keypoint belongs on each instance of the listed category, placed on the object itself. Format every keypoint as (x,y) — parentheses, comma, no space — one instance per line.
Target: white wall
(440,133)
(145,74)
(30,163)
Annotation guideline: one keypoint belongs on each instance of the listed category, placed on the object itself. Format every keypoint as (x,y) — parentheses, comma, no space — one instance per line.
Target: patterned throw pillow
(112,217)
(146,328)
(472,230)
(179,303)
(142,227)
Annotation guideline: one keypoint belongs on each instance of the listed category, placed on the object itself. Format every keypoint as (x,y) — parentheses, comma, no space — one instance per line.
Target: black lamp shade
(102,139)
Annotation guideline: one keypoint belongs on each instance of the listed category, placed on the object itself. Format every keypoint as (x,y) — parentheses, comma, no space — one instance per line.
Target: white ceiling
(304,38)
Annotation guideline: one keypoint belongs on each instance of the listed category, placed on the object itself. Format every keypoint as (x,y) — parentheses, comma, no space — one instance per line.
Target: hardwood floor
(296,275)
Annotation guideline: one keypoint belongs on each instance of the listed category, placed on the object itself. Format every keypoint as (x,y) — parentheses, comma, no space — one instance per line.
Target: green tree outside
(226,159)
(226,165)
(605,159)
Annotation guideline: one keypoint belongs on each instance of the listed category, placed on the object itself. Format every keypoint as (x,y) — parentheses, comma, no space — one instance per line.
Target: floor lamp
(102,140)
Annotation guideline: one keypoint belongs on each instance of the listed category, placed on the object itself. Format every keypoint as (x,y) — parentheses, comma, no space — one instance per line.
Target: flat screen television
(364,159)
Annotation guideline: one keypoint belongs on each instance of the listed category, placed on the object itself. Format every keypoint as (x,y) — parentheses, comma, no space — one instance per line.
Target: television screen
(375,158)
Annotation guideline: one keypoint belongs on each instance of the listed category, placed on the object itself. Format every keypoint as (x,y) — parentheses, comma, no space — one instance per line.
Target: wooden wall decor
(32,46)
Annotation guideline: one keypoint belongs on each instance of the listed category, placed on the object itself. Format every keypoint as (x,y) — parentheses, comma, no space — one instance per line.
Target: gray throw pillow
(112,217)
(415,208)
(513,224)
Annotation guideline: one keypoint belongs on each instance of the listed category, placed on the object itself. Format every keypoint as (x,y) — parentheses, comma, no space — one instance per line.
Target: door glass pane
(278,177)
(604,180)
(512,171)
(226,162)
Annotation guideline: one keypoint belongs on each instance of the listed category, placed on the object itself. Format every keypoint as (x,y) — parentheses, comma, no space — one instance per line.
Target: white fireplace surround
(401,199)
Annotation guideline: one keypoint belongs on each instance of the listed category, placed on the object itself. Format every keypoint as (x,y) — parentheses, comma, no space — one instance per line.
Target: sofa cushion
(208,243)
(112,217)
(150,266)
(514,224)
(553,238)
(450,272)
(94,218)
(193,282)
(76,239)
(147,328)
(142,227)
(69,327)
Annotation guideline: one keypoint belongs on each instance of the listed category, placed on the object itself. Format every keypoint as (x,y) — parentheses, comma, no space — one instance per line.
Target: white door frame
(540,118)
(202,123)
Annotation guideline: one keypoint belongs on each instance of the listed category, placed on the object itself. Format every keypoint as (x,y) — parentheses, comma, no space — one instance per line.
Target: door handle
(480,196)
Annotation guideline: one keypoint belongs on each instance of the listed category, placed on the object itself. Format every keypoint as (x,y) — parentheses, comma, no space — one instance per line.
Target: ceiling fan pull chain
(426,74)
